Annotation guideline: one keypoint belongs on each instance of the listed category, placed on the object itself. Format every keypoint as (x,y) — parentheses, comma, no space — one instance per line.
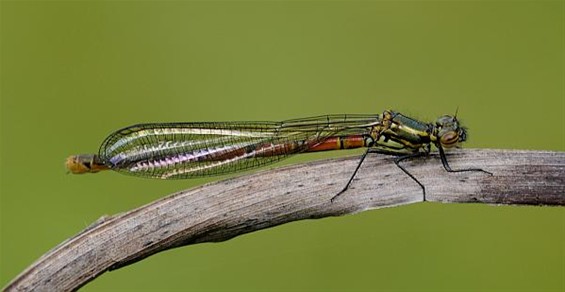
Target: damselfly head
(448,131)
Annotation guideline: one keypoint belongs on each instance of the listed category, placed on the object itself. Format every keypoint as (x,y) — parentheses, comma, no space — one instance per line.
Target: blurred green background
(72,72)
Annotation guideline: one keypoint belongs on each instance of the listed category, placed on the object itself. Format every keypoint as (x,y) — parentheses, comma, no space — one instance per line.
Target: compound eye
(449,139)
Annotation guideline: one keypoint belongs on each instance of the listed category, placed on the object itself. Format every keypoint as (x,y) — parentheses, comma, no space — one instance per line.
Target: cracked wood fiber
(221,210)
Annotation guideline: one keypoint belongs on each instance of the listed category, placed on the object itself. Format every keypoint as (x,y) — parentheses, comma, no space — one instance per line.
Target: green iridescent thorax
(401,134)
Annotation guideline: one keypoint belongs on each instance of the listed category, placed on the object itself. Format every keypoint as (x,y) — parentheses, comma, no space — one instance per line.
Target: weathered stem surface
(225,209)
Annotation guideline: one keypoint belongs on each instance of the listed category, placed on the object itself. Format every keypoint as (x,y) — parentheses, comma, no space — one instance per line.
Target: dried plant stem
(225,209)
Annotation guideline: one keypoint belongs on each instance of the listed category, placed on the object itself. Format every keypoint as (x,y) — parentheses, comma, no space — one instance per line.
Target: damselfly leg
(352,176)
(448,168)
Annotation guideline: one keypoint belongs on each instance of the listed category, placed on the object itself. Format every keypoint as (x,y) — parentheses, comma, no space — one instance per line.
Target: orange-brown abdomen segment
(85,163)
(339,142)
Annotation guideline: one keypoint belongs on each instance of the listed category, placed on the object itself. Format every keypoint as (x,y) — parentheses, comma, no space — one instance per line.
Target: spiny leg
(353,176)
(448,168)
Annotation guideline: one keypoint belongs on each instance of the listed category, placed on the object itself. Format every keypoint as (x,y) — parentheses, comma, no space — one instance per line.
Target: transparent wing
(186,150)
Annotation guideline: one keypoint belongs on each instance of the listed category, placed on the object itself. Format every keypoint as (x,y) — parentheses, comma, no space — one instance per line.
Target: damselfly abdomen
(188,150)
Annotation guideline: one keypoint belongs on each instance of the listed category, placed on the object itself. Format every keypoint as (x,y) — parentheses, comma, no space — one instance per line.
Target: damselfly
(189,150)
